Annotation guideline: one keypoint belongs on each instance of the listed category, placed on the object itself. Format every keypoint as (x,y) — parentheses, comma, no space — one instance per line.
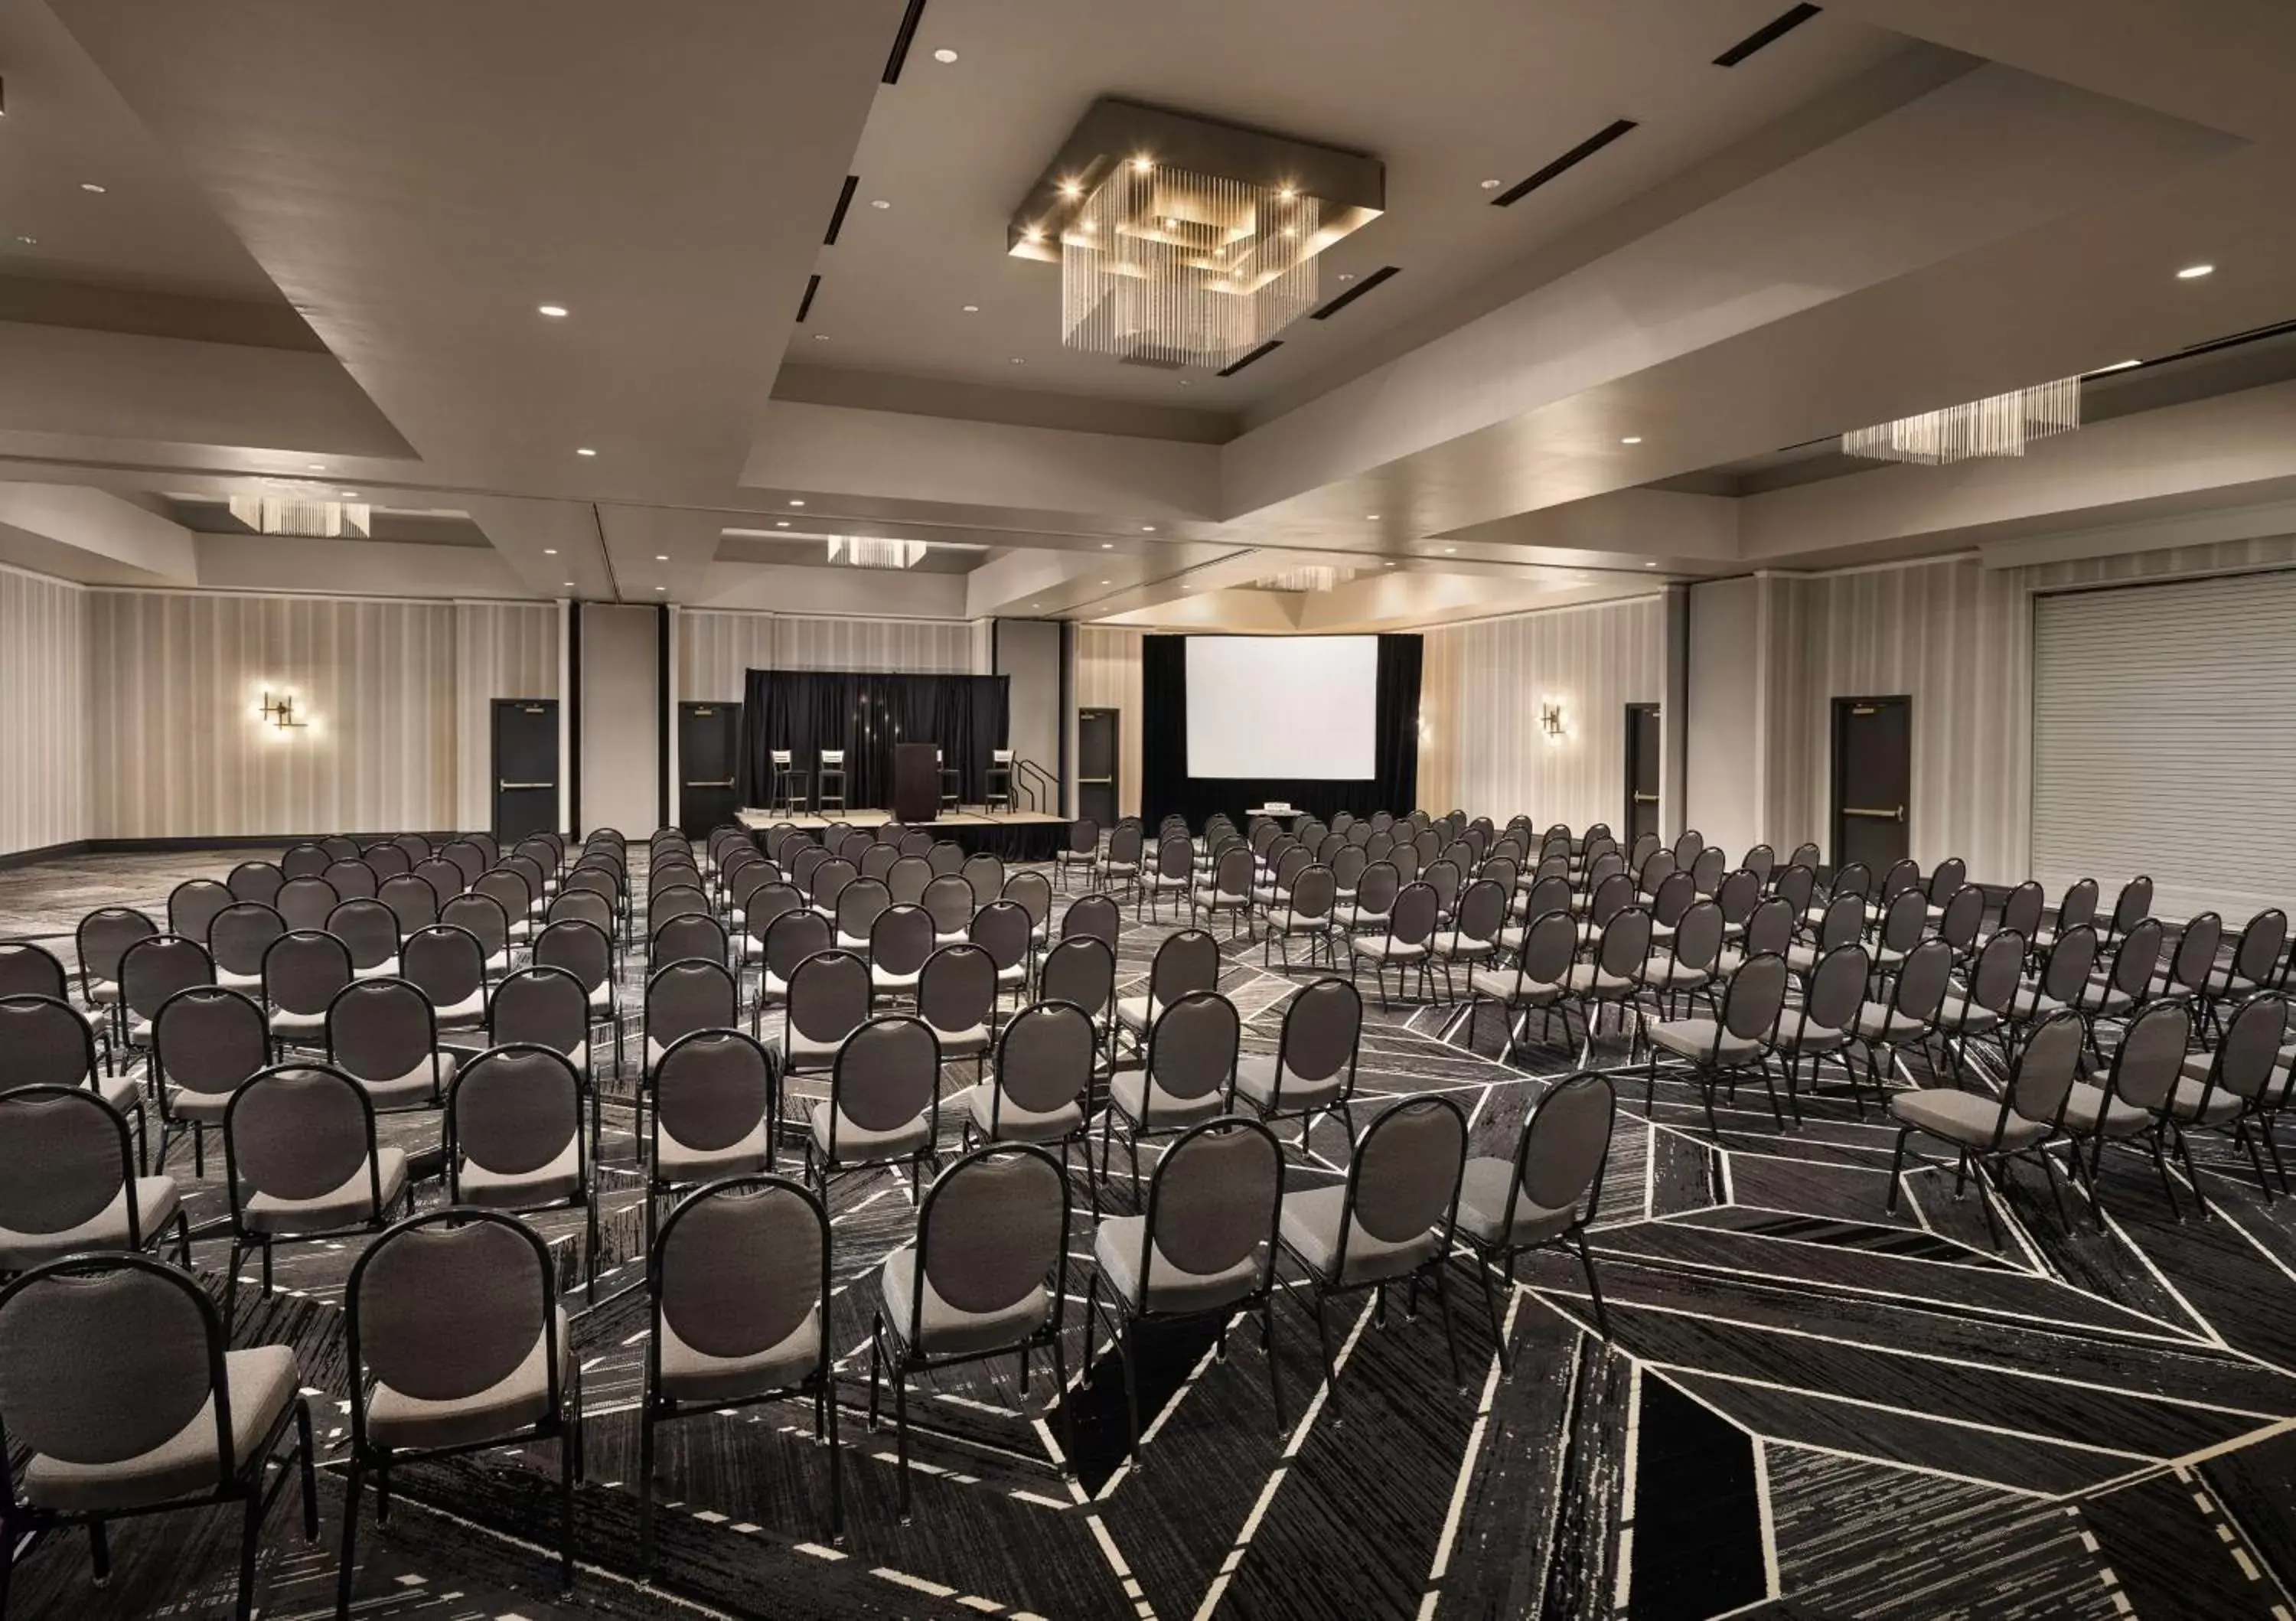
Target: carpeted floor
(1808,1407)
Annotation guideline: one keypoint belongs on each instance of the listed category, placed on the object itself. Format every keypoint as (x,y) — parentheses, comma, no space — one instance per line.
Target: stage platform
(1015,835)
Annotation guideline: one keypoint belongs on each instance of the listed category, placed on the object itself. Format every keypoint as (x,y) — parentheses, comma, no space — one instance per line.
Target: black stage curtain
(807,711)
(1165,786)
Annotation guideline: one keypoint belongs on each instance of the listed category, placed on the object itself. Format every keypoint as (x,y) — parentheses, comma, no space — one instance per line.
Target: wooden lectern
(917,782)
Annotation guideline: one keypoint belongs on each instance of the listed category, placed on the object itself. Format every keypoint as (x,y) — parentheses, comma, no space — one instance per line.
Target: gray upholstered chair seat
(2084,1104)
(1964,1016)
(498,964)
(1794,1037)
(857,944)
(968,1042)
(1288,921)
(1255,1078)
(1311,1225)
(2196,1065)
(388,969)
(1799,957)
(1483,1214)
(1463,948)
(1163,884)
(682,1162)
(1353,916)
(1132,1012)
(203,1108)
(1380,950)
(1215,899)
(156,1203)
(690,1375)
(1586,979)
(1694,1039)
(947,1330)
(856,1142)
(602,999)
(887,979)
(103,991)
(2184,1103)
(1007,978)
(2104,999)
(298,1027)
(1116,1251)
(346,1205)
(812,1052)
(1014,1124)
(125,1093)
(468,1013)
(260,1383)
(1879,1021)
(1667,974)
(772,988)
(408,1091)
(1501,985)
(518,1399)
(562,1178)
(1964,1117)
(1149,1104)
(249,984)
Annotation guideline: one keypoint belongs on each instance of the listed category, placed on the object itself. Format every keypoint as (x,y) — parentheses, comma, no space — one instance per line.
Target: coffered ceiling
(327,237)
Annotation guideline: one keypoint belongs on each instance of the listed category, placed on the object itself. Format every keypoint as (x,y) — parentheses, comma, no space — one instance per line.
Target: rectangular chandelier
(1185,242)
(1166,268)
(2001,426)
(865,552)
(1306,577)
(304,520)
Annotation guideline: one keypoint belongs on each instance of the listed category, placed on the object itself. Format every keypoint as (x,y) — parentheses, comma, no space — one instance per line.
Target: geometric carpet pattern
(1808,1407)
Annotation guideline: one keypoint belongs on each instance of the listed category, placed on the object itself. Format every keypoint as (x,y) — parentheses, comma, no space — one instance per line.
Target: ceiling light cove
(1198,261)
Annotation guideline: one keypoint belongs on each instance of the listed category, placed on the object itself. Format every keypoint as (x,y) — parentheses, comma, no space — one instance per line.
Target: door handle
(506,787)
(1893,813)
(728,783)
(1646,799)
(1094,781)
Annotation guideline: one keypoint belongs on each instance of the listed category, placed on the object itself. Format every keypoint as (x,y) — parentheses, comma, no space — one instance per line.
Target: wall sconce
(1550,719)
(280,711)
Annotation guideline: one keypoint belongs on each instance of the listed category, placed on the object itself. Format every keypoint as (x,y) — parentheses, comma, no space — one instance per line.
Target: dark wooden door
(1096,773)
(709,737)
(526,767)
(1872,780)
(1643,724)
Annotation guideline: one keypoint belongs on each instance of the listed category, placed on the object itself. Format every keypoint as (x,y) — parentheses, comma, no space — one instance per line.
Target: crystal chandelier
(1166,268)
(1306,577)
(305,520)
(865,552)
(2001,426)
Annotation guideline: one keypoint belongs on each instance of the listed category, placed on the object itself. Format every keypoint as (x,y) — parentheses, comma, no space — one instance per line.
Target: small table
(1288,813)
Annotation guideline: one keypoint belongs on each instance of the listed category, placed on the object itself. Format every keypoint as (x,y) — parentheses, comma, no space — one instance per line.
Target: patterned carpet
(1809,1407)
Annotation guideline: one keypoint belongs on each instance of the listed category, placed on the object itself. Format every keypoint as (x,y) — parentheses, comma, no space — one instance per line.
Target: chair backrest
(1187,961)
(886,1075)
(677,901)
(1964,914)
(469,858)
(1002,930)
(950,899)
(738,1267)
(1084,837)
(906,878)
(585,906)
(1232,874)
(303,968)
(1376,888)
(192,905)
(1625,943)
(1947,880)
(512,1111)
(681,997)
(1564,1144)
(411,900)
(1403,1180)
(304,860)
(2248,1058)
(352,880)
(153,970)
(483,919)
(103,937)
(1923,980)
(47,1041)
(1443,876)
(901,938)
(2021,911)
(878,860)
(1905,919)
(509,888)
(539,1006)
(1192,1046)
(1411,921)
(1095,917)
(765,905)
(2257,957)
(445,1305)
(255,881)
(387,859)
(64,1163)
(946,858)
(2195,958)
(2078,906)
(829,996)
(304,902)
(1315,890)
(1045,1057)
(859,905)
(1905,874)
(1854,877)
(829,879)
(1771,928)
(1755,998)
(692,935)
(582,948)
(1079,970)
(1796,884)
(1675,893)
(27,970)
(1214,1200)
(713,1089)
(1844,922)
(2151,1058)
(1698,936)
(2134,905)
(1322,1035)
(993,1228)
(297,1132)
(1613,893)
(2064,977)
(209,1040)
(447,963)
(1836,989)
(793,937)
(381,1030)
(1994,976)
(444,877)
(2137,958)
(2046,1068)
(103,1359)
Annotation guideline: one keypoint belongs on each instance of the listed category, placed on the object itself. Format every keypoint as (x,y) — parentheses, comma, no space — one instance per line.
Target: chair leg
(306,1460)
(1594,1288)
(1324,1339)
(250,1528)
(901,1432)
(350,1538)
(1131,1384)
(876,1357)
(1267,1348)
(1897,1166)
(836,1466)
(2192,1174)
(645,1488)
(1450,1329)
(1491,1307)
(2168,1183)
(567,1446)
(2049,1176)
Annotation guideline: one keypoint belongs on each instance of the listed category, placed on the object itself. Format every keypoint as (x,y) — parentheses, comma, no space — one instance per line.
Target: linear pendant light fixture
(2001,425)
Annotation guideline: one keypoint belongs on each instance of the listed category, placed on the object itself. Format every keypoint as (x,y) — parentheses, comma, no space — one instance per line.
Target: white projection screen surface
(1282,706)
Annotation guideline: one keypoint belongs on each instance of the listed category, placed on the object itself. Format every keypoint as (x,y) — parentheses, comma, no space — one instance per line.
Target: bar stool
(952,786)
(788,795)
(832,781)
(998,795)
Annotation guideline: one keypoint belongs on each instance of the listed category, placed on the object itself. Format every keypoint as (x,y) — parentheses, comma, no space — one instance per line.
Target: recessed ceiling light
(1017,361)
(973,309)
(1632,438)
(318,467)
(1108,545)
(2193,272)
(1147,529)
(797,503)
(584,450)
(1390,565)
(1347,276)
(1649,565)
(550,551)
(1450,550)
(944,54)
(1143,164)
(661,556)
(1107,582)
(1371,516)
(568,584)
(1490,185)
(661,587)
(29,242)
(556,312)
(821,336)
(90,185)
(781,523)
(879,202)
(350,495)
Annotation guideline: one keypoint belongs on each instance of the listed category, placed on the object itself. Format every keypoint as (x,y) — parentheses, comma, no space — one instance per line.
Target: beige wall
(44,712)
(621,718)
(1108,677)
(716,649)
(1481,749)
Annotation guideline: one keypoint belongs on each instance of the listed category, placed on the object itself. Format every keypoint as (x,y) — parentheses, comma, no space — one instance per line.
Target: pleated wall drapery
(1166,787)
(806,711)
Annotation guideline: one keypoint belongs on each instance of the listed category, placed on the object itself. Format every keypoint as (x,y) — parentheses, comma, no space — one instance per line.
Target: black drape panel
(1166,787)
(807,711)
